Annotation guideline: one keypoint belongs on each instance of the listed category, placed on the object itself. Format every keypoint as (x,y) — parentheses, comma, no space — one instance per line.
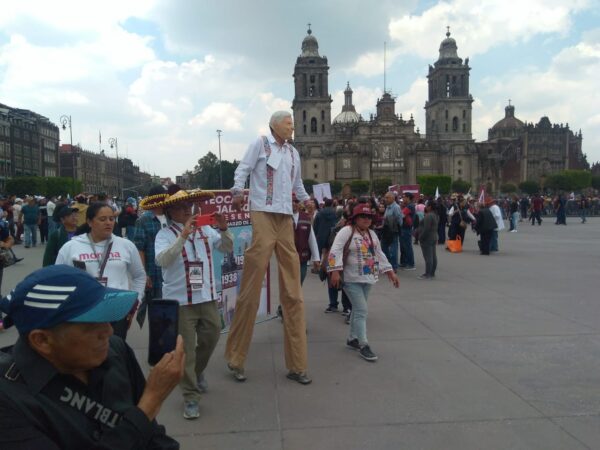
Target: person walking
(392,220)
(583,208)
(560,208)
(407,257)
(30,217)
(497,213)
(428,228)
(185,251)
(484,226)
(356,252)
(514,214)
(275,167)
(112,260)
(537,205)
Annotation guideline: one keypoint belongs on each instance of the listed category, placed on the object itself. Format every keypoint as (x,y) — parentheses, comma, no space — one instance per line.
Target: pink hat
(362,208)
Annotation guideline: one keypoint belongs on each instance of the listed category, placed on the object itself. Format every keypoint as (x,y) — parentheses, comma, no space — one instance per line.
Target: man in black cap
(66,383)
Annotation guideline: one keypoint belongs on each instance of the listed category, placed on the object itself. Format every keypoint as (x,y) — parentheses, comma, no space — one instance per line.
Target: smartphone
(208,219)
(79,264)
(163,319)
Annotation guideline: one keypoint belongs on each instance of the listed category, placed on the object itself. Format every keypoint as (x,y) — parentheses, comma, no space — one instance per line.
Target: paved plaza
(498,352)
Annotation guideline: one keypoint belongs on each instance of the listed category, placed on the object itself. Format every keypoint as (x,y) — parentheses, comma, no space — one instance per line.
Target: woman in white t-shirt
(112,260)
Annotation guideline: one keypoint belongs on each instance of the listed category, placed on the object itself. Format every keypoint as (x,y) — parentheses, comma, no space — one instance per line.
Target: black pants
(484,242)
(535,215)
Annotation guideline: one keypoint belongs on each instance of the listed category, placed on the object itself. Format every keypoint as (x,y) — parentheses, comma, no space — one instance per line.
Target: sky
(161,76)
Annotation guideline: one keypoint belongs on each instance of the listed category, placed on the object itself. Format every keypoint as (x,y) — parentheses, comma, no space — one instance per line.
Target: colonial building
(386,145)
(28,144)
(99,173)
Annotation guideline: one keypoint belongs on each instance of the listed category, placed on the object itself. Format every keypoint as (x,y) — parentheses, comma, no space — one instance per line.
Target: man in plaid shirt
(146,228)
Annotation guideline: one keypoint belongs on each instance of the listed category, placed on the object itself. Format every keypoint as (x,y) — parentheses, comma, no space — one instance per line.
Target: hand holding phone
(208,219)
(163,318)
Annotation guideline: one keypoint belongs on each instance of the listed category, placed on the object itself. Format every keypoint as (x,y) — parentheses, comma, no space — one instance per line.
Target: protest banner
(229,266)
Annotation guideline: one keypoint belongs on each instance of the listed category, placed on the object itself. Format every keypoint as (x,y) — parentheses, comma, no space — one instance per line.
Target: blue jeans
(494,241)
(407,257)
(358,293)
(30,232)
(583,214)
(514,217)
(391,252)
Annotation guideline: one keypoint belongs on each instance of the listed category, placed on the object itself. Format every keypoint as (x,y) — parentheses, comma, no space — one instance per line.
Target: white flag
(437,193)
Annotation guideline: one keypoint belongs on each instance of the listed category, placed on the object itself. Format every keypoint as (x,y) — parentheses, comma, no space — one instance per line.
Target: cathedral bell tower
(312,102)
(448,110)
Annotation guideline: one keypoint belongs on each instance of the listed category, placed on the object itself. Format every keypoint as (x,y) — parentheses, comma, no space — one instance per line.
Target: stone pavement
(499,352)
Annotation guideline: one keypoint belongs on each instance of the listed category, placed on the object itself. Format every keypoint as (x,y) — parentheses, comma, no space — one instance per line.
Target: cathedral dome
(310,46)
(347,117)
(509,121)
(348,114)
(448,48)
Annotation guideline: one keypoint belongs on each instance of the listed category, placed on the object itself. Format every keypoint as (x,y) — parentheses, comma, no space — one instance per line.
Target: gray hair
(278,116)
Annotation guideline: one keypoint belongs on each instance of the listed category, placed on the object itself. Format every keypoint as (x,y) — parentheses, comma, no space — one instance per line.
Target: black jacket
(43,409)
(324,221)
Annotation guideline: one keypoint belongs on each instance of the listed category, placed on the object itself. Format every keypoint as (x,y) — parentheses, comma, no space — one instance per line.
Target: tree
(308,185)
(360,187)
(596,182)
(208,171)
(428,183)
(578,179)
(381,185)
(557,182)
(49,187)
(529,187)
(508,188)
(460,186)
(336,187)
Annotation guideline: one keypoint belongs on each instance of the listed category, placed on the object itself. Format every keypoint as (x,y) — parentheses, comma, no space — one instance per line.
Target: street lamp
(66,120)
(220,161)
(114,143)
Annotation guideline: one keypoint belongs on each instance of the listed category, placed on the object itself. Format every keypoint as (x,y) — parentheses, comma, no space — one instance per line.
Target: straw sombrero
(154,199)
(195,195)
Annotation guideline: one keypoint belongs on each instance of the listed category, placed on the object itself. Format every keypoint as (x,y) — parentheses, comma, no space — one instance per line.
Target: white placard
(322,191)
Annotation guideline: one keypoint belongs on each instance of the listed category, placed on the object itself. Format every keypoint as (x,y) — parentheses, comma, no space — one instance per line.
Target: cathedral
(386,145)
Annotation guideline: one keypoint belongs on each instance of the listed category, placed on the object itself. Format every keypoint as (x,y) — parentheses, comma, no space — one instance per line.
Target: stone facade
(386,145)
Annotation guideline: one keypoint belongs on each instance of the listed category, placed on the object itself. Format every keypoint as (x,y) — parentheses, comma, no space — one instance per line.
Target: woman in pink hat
(356,252)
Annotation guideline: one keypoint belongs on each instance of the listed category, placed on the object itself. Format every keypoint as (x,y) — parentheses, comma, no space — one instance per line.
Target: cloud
(568,90)
(483,25)
(218,114)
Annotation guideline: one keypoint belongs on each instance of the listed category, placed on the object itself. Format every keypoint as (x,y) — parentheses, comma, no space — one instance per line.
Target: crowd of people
(70,381)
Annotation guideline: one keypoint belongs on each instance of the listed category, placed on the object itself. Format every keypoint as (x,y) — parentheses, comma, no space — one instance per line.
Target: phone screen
(79,264)
(163,316)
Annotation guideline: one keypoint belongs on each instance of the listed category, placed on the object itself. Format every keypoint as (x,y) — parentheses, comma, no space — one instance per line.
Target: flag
(482,196)
(100,138)
(468,196)
(437,193)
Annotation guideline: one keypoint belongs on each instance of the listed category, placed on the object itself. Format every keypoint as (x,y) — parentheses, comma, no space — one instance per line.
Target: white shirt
(312,241)
(168,249)
(270,193)
(495,210)
(50,207)
(361,265)
(123,263)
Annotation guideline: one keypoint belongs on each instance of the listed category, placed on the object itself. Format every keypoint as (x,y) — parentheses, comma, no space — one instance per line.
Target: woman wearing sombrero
(184,251)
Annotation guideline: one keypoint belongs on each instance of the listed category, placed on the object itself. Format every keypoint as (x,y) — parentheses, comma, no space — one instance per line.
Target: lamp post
(220,161)
(114,143)
(66,120)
